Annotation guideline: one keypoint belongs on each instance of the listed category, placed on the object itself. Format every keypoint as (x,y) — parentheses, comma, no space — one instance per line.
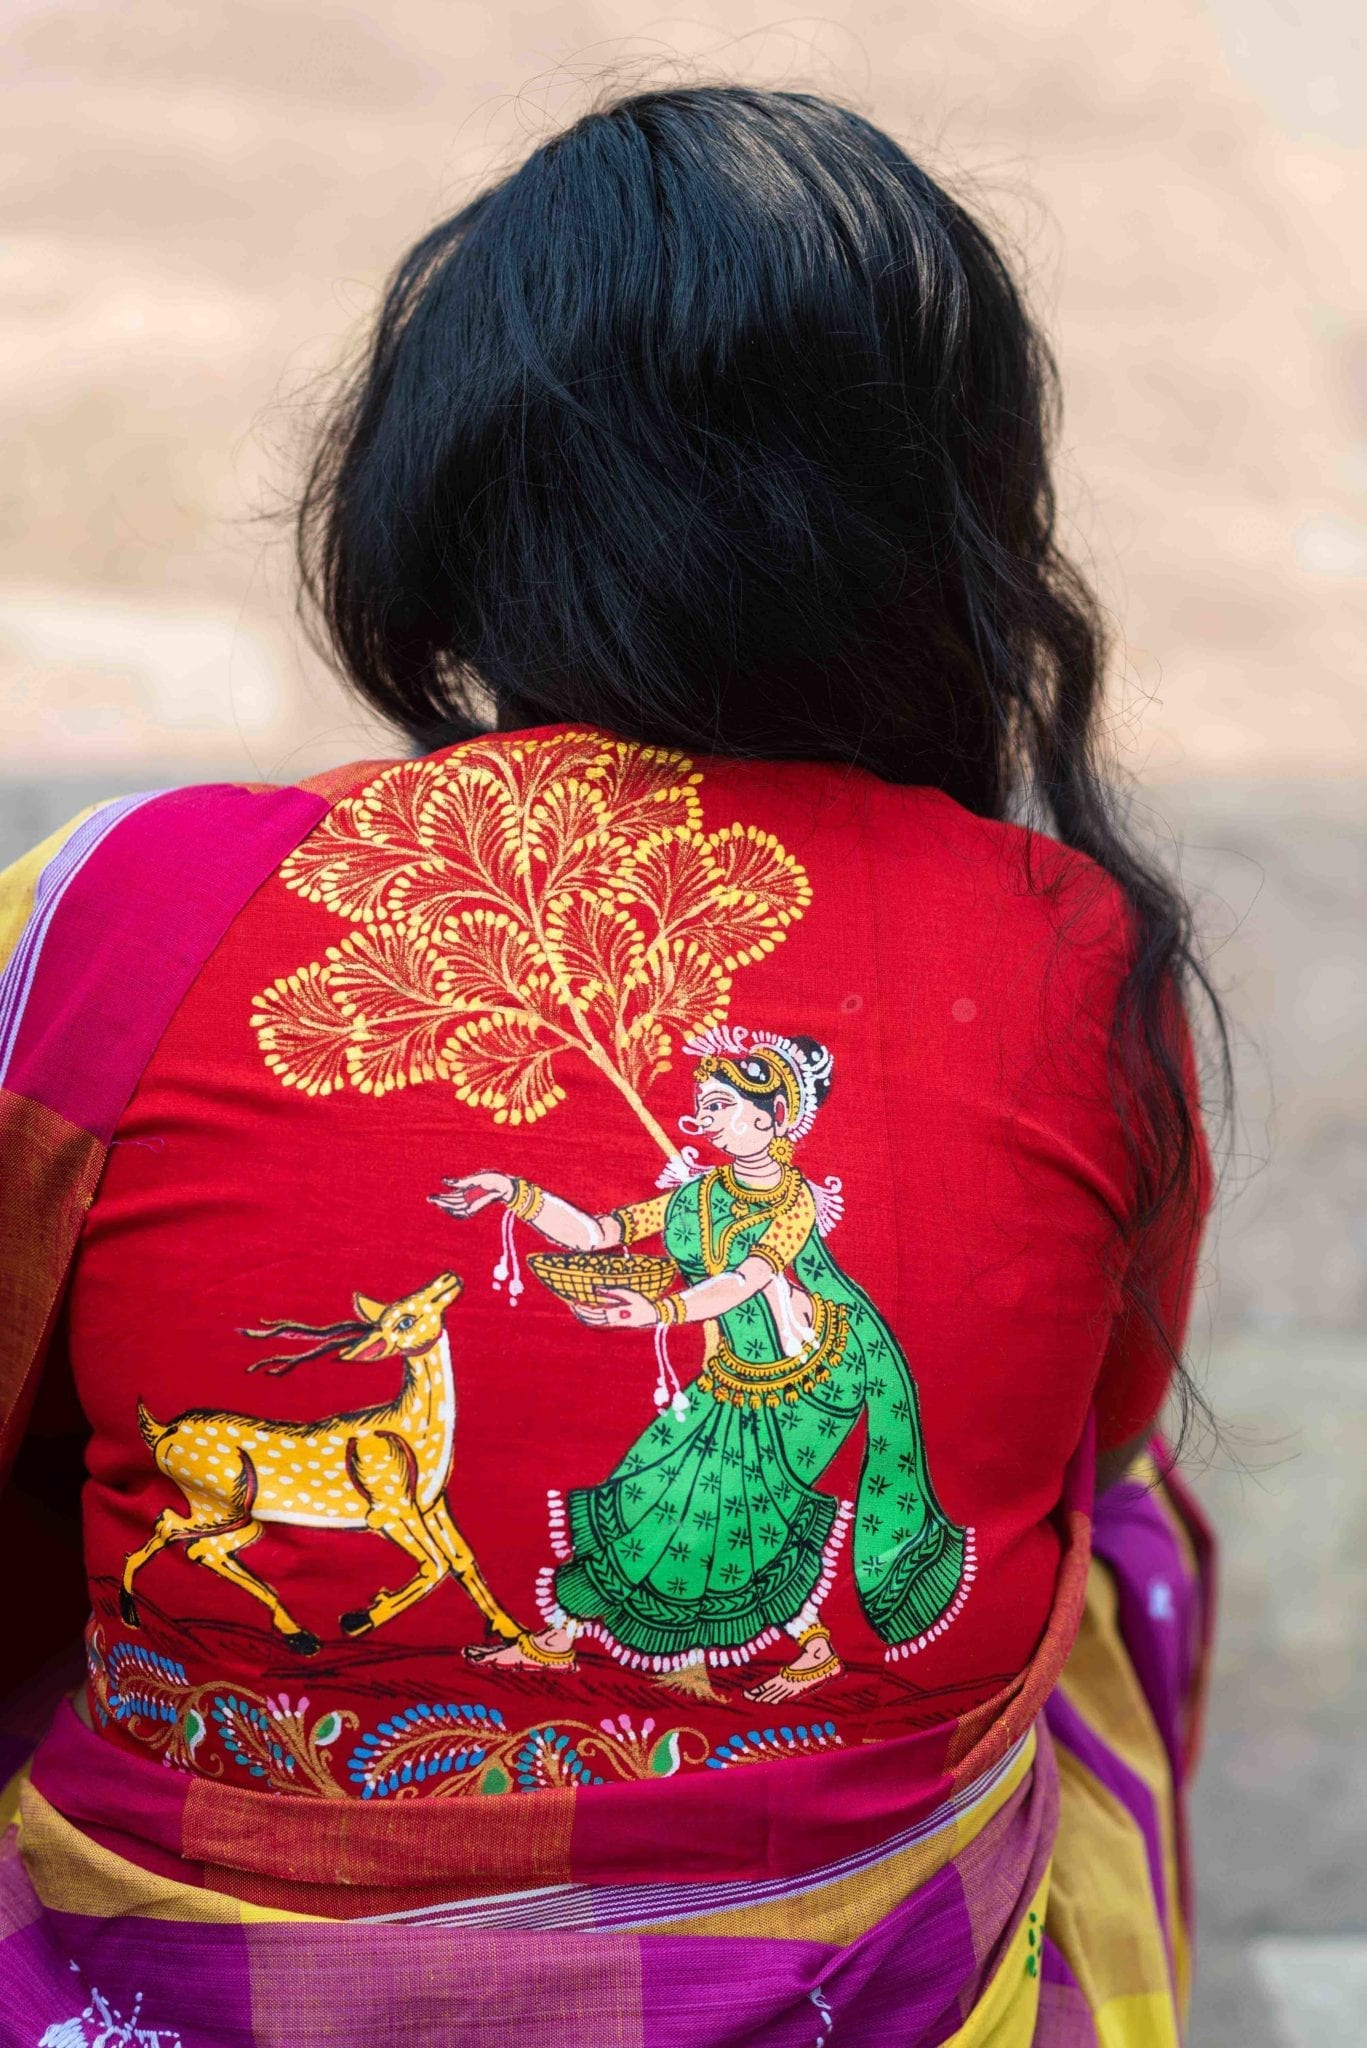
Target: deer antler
(333,1336)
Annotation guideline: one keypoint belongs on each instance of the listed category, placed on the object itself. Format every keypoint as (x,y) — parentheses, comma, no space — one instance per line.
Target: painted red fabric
(718,1408)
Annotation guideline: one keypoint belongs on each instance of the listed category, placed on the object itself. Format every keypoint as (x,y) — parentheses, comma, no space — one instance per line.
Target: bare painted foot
(556,1647)
(817,1666)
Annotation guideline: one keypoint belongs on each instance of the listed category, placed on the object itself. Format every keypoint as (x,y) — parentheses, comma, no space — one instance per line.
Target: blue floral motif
(548,1758)
(764,1743)
(227,1710)
(422,1743)
(137,1683)
(464,1748)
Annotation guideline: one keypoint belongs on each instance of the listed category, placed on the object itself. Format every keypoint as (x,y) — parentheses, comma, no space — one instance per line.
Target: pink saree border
(121,931)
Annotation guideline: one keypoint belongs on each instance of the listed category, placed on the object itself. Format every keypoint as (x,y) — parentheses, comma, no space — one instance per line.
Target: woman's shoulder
(216,818)
(917,836)
(1032,879)
(104,925)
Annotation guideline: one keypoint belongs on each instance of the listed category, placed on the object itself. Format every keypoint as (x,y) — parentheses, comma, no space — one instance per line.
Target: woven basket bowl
(577,1276)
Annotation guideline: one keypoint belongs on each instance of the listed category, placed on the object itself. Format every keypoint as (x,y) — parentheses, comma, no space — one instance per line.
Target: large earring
(782,1150)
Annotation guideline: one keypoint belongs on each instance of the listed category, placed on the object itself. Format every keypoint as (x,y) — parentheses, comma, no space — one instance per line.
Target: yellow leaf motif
(469,821)
(668,877)
(350,874)
(504,1064)
(519,904)
(647,790)
(557,831)
(684,986)
(757,891)
(488,962)
(392,810)
(645,1051)
(598,945)
(389,987)
(302,1033)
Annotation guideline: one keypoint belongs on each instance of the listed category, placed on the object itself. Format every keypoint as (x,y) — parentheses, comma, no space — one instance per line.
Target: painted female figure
(712,1538)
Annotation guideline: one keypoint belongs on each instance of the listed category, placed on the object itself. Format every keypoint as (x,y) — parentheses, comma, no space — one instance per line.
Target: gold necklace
(716,1249)
(743,1191)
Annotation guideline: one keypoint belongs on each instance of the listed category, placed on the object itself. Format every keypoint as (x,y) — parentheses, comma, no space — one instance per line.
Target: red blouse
(810,1441)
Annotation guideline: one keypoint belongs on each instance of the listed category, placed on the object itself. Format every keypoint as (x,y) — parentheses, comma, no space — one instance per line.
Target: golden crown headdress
(765,1060)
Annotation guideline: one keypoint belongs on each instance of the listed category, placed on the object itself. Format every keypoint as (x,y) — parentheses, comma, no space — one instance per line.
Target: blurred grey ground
(200,198)
(1280,1811)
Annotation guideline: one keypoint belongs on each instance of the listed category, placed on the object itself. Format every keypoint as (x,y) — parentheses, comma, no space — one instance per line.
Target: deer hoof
(128,1608)
(303,1642)
(357,1622)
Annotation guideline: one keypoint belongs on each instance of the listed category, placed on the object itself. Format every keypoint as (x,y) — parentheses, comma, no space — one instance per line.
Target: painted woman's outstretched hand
(472,1192)
(618,1308)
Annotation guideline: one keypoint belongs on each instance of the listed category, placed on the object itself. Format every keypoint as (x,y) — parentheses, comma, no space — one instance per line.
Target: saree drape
(1017,1875)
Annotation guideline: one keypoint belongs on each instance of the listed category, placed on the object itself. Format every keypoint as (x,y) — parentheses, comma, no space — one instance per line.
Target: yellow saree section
(1091,1952)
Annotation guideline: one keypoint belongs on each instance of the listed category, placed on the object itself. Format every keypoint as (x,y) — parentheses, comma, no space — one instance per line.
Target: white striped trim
(16,980)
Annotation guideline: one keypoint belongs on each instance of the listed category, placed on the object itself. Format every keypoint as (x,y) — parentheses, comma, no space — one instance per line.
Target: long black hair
(718,423)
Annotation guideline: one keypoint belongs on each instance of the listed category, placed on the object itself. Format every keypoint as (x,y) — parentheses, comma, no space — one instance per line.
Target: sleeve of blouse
(788,1232)
(642,1219)
(1137,1368)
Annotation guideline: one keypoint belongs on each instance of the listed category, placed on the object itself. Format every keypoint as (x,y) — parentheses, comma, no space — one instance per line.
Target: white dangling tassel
(666,1376)
(796,1342)
(507,1270)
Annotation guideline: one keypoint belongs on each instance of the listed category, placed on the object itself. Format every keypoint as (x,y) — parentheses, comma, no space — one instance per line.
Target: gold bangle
(671,1308)
(526,1199)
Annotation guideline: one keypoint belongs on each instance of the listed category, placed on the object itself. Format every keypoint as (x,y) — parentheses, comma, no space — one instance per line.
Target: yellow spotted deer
(383,1468)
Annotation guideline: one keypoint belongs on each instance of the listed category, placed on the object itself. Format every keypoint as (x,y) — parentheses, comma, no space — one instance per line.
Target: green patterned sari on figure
(712,1533)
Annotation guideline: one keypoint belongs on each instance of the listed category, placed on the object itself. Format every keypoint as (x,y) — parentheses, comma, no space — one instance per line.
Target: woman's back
(616,1227)
(818,1514)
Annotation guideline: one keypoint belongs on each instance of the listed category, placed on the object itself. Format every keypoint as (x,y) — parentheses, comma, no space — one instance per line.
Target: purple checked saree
(1016,1875)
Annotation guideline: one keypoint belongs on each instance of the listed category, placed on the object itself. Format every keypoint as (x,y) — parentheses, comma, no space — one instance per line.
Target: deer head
(404,1327)
(396,1329)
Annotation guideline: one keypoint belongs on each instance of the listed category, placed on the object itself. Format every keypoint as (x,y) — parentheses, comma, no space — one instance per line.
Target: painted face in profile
(723,1116)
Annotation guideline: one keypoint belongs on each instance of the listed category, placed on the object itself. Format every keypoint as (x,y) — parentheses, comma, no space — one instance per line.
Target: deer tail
(152,1430)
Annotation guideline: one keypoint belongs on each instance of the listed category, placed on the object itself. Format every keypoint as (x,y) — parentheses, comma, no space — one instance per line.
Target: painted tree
(517,905)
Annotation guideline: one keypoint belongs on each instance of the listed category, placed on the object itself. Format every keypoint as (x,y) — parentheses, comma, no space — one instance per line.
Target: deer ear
(368,1310)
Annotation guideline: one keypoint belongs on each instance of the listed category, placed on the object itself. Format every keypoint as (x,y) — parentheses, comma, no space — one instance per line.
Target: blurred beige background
(202,197)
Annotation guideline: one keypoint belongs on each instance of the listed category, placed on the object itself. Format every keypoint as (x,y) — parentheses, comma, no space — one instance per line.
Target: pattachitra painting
(550,934)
